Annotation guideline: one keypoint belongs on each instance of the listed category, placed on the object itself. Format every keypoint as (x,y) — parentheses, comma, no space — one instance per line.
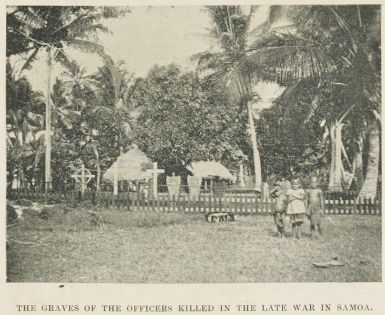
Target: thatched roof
(132,166)
(209,169)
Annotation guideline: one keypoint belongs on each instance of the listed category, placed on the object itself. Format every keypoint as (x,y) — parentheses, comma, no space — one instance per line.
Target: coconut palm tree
(230,29)
(342,40)
(51,30)
(100,97)
(82,93)
(112,82)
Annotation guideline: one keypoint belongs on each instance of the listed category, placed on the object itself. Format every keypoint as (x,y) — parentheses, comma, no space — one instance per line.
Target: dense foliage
(328,59)
(185,119)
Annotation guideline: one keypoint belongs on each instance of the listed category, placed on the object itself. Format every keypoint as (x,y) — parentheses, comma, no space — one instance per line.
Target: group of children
(297,203)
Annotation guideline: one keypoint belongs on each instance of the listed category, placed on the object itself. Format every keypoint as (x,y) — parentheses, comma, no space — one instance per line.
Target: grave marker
(173,184)
(82,176)
(155,172)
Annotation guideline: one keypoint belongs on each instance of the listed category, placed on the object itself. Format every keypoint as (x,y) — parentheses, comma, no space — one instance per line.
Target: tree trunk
(116,182)
(369,187)
(358,168)
(21,178)
(98,170)
(339,167)
(256,156)
(335,173)
(48,177)
(332,157)
(241,177)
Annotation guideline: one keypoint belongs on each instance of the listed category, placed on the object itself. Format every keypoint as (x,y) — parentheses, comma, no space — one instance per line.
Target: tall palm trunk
(358,167)
(48,177)
(256,156)
(335,173)
(335,178)
(369,188)
(336,167)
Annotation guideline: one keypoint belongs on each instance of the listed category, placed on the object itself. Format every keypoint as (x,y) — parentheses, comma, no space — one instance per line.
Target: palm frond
(87,46)
(115,12)
(77,22)
(284,56)
(63,59)
(31,58)
(29,17)
(207,60)
(86,28)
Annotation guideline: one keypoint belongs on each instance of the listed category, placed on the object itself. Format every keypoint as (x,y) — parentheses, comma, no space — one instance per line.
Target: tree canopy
(185,119)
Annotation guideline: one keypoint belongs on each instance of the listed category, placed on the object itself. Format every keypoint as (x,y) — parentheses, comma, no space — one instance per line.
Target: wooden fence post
(370,206)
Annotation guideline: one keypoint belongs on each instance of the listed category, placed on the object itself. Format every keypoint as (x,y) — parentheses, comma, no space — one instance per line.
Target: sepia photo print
(193,144)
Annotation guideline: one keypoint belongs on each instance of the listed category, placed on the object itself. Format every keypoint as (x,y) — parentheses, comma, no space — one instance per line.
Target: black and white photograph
(193,144)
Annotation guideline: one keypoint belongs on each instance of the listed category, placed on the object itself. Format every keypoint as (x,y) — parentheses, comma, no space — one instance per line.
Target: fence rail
(240,204)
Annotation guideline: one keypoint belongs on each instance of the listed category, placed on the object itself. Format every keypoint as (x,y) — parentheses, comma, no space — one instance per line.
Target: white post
(155,180)
(155,171)
(83,180)
(116,179)
(241,175)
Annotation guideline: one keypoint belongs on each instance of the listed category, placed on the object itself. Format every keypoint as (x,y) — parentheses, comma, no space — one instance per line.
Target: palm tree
(24,126)
(51,30)
(230,28)
(82,93)
(339,40)
(100,97)
(80,87)
(112,82)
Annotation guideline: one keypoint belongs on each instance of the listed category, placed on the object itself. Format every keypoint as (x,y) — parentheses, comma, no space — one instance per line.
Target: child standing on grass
(279,209)
(296,206)
(316,206)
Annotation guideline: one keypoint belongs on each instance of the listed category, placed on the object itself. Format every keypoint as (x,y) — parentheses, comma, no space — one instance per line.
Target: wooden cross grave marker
(82,176)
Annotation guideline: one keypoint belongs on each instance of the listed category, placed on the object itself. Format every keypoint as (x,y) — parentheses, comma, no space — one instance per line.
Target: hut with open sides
(131,166)
(208,170)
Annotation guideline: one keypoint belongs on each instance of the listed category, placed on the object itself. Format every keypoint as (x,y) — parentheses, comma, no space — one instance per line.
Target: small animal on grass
(214,217)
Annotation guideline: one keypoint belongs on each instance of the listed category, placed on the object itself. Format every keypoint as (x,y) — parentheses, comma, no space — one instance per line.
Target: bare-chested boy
(279,208)
(316,206)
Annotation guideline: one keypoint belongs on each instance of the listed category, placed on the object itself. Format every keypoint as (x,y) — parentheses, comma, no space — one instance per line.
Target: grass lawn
(151,247)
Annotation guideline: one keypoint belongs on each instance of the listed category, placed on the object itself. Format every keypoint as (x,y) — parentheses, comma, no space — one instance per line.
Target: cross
(83,178)
(155,172)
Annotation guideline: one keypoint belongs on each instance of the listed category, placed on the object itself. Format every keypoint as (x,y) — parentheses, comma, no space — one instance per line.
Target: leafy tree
(184,119)
(290,134)
(24,128)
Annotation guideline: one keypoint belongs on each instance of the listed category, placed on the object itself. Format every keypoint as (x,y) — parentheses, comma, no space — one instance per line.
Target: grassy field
(151,247)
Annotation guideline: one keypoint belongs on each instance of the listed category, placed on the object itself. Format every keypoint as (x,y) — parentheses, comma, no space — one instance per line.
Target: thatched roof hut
(206,169)
(131,166)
